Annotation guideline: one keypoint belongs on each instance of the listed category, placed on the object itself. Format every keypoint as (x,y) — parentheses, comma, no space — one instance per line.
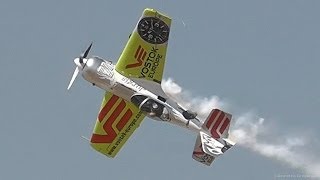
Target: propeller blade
(85,54)
(75,74)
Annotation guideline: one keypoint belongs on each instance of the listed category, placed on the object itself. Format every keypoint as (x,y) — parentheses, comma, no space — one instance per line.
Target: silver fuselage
(102,74)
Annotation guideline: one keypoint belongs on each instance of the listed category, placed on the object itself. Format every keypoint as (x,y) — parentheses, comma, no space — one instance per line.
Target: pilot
(153,110)
(165,114)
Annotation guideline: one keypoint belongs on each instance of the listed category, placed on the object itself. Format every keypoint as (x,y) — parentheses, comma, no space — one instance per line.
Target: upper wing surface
(143,57)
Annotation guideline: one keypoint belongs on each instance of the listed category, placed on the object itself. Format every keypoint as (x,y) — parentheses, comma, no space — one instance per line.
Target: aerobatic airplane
(133,91)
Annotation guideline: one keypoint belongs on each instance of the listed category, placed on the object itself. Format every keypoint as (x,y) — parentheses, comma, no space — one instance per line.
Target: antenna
(85,138)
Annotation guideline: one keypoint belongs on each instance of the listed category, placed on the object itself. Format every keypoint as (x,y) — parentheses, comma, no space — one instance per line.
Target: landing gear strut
(189,114)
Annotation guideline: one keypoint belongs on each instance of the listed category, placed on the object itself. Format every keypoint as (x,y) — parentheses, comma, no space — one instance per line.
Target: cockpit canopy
(148,105)
(101,59)
(138,99)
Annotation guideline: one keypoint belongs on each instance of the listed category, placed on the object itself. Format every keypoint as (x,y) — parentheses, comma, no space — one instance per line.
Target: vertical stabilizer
(213,140)
(217,124)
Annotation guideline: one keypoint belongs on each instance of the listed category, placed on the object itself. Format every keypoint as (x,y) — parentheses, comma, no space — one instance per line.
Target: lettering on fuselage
(131,84)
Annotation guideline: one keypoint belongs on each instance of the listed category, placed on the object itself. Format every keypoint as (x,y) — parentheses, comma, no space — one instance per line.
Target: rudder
(217,124)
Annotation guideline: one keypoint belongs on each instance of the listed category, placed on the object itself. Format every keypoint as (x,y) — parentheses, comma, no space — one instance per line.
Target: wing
(116,122)
(143,57)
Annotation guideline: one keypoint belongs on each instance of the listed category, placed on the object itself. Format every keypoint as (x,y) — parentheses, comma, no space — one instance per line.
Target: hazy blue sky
(260,56)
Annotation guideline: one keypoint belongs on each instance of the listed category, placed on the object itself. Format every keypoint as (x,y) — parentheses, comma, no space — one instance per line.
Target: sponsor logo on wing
(217,123)
(201,156)
(108,122)
(210,145)
(198,150)
(139,57)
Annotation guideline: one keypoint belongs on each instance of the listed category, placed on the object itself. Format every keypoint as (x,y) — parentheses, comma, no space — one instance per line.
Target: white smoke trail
(250,132)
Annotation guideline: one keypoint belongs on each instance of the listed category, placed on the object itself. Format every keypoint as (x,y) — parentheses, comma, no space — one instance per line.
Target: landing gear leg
(188,123)
(189,115)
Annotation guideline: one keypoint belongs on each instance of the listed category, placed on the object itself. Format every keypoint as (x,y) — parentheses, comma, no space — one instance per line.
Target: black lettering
(151,64)
(156,64)
(152,55)
(125,133)
(154,50)
(145,70)
(147,64)
(150,59)
(142,75)
(154,68)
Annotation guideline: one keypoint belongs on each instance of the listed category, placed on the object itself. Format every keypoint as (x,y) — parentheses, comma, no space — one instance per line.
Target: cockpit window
(152,107)
(138,99)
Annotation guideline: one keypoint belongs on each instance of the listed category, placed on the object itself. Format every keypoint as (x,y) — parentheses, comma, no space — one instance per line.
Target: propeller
(84,54)
(79,63)
(75,74)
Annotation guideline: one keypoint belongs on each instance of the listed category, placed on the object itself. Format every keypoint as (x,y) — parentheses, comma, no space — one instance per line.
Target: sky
(259,59)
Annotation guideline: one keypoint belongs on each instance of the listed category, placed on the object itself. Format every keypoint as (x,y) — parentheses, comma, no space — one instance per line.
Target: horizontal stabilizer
(207,148)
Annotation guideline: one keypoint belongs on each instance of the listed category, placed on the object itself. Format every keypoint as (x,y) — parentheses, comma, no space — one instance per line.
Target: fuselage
(102,74)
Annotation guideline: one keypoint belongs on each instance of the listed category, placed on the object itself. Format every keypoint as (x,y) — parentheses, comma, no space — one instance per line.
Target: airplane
(133,91)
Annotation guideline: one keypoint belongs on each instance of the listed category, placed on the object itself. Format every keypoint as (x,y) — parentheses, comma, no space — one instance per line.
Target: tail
(217,124)
(214,140)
